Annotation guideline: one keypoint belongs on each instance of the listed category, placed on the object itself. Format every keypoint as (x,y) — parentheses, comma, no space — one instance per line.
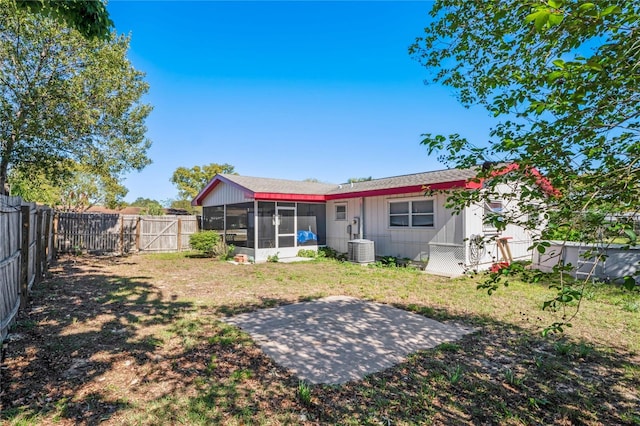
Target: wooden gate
(113,233)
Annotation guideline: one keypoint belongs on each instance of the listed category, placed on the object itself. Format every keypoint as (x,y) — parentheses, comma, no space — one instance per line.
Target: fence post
(179,242)
(121,235)
(138,234)
(24,256)
(47,233)
(38,271)
(54,236)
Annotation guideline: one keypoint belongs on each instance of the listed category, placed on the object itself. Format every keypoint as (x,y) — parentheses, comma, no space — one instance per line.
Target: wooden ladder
(505,250)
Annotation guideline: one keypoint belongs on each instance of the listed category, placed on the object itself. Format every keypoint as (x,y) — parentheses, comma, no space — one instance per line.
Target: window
(492,215)
(418,214)
(341,212)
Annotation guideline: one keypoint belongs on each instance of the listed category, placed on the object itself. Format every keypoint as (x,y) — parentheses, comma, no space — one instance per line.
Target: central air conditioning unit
(361,251)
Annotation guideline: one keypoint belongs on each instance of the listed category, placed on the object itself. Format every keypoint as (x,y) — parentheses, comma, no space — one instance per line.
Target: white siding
(519,239)
(225,194)
(410,243)
(337,236)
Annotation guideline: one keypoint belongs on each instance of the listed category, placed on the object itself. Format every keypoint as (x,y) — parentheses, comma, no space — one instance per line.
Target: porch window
(416,214)
(341,212)
(240,225)
(213,218)
(312,218)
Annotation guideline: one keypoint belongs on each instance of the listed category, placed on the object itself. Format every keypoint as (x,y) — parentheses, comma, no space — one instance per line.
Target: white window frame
(487,207)
(410,213)
(336,212)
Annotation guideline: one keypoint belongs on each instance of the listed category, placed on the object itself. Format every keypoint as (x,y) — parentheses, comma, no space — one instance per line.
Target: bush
(207,242)
(307,253)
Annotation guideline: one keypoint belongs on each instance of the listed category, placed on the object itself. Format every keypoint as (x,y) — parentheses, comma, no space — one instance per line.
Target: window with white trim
(341,212)
(411,214)
(492,214)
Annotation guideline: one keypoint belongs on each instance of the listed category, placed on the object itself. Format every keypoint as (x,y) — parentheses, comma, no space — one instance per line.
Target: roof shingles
(407,183)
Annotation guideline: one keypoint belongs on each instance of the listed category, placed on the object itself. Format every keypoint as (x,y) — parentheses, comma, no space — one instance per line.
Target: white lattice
(446,259)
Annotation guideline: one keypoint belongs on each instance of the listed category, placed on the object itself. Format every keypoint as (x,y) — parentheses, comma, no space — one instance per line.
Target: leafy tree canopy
(185,205)
(149,206)
(562,79)
(89,17)
(76,189)
(67,100)
(190,181)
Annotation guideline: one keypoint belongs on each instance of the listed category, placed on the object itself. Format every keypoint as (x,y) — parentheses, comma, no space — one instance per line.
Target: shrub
(307,253)
(207,242)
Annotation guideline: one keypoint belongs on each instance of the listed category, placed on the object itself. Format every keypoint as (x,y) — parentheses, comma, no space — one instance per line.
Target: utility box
(361,251)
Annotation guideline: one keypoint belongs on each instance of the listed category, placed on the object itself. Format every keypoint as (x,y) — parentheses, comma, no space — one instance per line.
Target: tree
(149,206)
(191,181)
(185,205)
(67,100)
(562,78)
(76,190)
(89,17)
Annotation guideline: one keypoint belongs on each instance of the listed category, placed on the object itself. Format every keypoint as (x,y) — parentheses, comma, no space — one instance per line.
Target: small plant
(273,258)
(304,392)
(537,402)
(448,347)
(205,242)
(307,253)
(512,378)
(584,350)
(454,374)
(229,251)
(563,348)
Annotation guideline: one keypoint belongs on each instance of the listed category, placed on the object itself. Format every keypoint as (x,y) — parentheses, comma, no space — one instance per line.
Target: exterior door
(286,226)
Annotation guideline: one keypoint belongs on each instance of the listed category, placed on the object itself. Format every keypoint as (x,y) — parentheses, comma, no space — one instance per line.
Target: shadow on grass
(81,324)
(85,324)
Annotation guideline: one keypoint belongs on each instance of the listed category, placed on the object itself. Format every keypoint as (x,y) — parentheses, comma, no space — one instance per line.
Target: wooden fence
(121,234)
(26,249)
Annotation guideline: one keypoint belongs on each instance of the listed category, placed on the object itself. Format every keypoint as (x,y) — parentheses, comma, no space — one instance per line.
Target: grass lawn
(138,340)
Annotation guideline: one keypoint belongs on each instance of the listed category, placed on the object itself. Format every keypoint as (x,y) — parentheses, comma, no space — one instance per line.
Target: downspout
(361,230)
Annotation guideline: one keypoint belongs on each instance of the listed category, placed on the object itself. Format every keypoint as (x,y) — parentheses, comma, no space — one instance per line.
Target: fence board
(10,242)
(112,233)
(25,236)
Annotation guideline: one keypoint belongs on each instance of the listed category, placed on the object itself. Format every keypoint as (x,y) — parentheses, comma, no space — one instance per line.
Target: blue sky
(289,90)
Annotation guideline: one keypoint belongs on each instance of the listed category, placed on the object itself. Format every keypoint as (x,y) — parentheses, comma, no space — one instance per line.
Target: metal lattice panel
(446,259)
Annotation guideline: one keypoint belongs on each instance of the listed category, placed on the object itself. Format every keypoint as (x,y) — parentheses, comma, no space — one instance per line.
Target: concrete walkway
(339,339)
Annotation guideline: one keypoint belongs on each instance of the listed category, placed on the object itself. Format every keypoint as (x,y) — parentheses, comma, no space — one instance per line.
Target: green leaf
(555,19)
(556,4)
(539,18)
(594,66)
(586,6)
(629,283)
(559,63)
(610,9)
(633,237)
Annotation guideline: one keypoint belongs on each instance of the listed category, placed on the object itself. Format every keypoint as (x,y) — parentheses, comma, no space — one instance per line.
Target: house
(262,217)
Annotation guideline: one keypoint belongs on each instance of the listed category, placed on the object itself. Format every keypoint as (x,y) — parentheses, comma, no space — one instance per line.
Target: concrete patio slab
(339,339)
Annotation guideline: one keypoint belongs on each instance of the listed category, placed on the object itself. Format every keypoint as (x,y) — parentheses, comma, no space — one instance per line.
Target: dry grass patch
(139,340)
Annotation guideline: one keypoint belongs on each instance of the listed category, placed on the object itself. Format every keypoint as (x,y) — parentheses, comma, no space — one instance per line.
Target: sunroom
(265,217)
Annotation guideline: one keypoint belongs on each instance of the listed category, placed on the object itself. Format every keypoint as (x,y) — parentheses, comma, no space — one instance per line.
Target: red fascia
(540,180)
(371,193)
(408,189)
(207,189)
(288,197)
